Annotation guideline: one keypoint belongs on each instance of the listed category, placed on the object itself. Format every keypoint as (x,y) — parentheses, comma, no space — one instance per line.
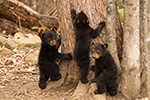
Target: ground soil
(24,86)
(19,81)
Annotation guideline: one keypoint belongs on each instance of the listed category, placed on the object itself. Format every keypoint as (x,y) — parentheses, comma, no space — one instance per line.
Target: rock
(23,42)
(31,41)
(5,51)
(3,40)
(19,35)
(11,44)
(32,57)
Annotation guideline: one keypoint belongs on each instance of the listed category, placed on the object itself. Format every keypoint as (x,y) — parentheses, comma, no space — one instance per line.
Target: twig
(20,24)
(43,25)
(18,17)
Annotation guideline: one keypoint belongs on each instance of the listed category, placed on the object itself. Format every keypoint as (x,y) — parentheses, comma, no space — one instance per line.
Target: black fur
(83,35)
(47,57)
(105,70)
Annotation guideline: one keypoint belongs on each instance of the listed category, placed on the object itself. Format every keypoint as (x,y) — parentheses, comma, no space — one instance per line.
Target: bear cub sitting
(105,70)
(47,57)
(83,35)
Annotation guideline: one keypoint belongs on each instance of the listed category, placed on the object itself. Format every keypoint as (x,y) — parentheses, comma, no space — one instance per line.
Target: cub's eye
(74,21)
(54,38)
(77,21)
(86,21)
(98,52)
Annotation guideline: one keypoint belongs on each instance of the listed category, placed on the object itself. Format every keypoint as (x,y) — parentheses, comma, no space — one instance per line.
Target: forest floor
(24,86)
(19,81)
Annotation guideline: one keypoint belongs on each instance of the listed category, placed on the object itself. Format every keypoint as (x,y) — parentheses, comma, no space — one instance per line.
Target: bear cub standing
(83,35)
(47,57)
(105,70)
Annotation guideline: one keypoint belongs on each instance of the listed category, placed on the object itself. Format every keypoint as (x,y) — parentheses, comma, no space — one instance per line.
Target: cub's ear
(54,29)
(105,46)
(41,34)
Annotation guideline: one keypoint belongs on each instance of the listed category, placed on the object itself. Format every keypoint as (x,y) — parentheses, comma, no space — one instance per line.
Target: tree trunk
(143,47)
(96,12)
(131,82)
(148,48)
(111,33)
(21,14)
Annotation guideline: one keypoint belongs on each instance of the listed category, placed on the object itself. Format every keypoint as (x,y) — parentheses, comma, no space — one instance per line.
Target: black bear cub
(105,70)
(83,35)
(47,57)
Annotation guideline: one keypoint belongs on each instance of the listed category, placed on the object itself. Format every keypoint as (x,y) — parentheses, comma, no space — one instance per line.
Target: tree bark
(21,14)
(143,47)
(96,12)
(148,48)
(131,82)
(111,32)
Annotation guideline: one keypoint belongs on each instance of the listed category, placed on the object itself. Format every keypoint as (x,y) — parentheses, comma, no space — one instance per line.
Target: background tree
(147,37)
(111,26)
(135,60)
(143,46)
(131,82)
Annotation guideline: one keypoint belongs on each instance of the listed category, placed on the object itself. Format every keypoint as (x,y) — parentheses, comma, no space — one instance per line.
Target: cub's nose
(52,43)
(95,55)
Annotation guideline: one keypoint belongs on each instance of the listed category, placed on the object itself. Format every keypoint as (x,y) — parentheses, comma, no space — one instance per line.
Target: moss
(121,13)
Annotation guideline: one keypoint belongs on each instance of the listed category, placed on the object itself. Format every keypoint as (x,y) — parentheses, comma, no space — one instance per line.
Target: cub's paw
(42,85)
(92,68)
(103,23)
(69,56)
(93,80)
(112,92)
(57,77)
(59,38)
(98,92)
(73,11)
(84,80)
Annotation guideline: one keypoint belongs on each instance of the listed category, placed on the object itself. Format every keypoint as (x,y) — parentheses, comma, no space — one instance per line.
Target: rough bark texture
(96,12)
(111,26)
(143,48)
(148,48)
(23,15)
(131,82)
